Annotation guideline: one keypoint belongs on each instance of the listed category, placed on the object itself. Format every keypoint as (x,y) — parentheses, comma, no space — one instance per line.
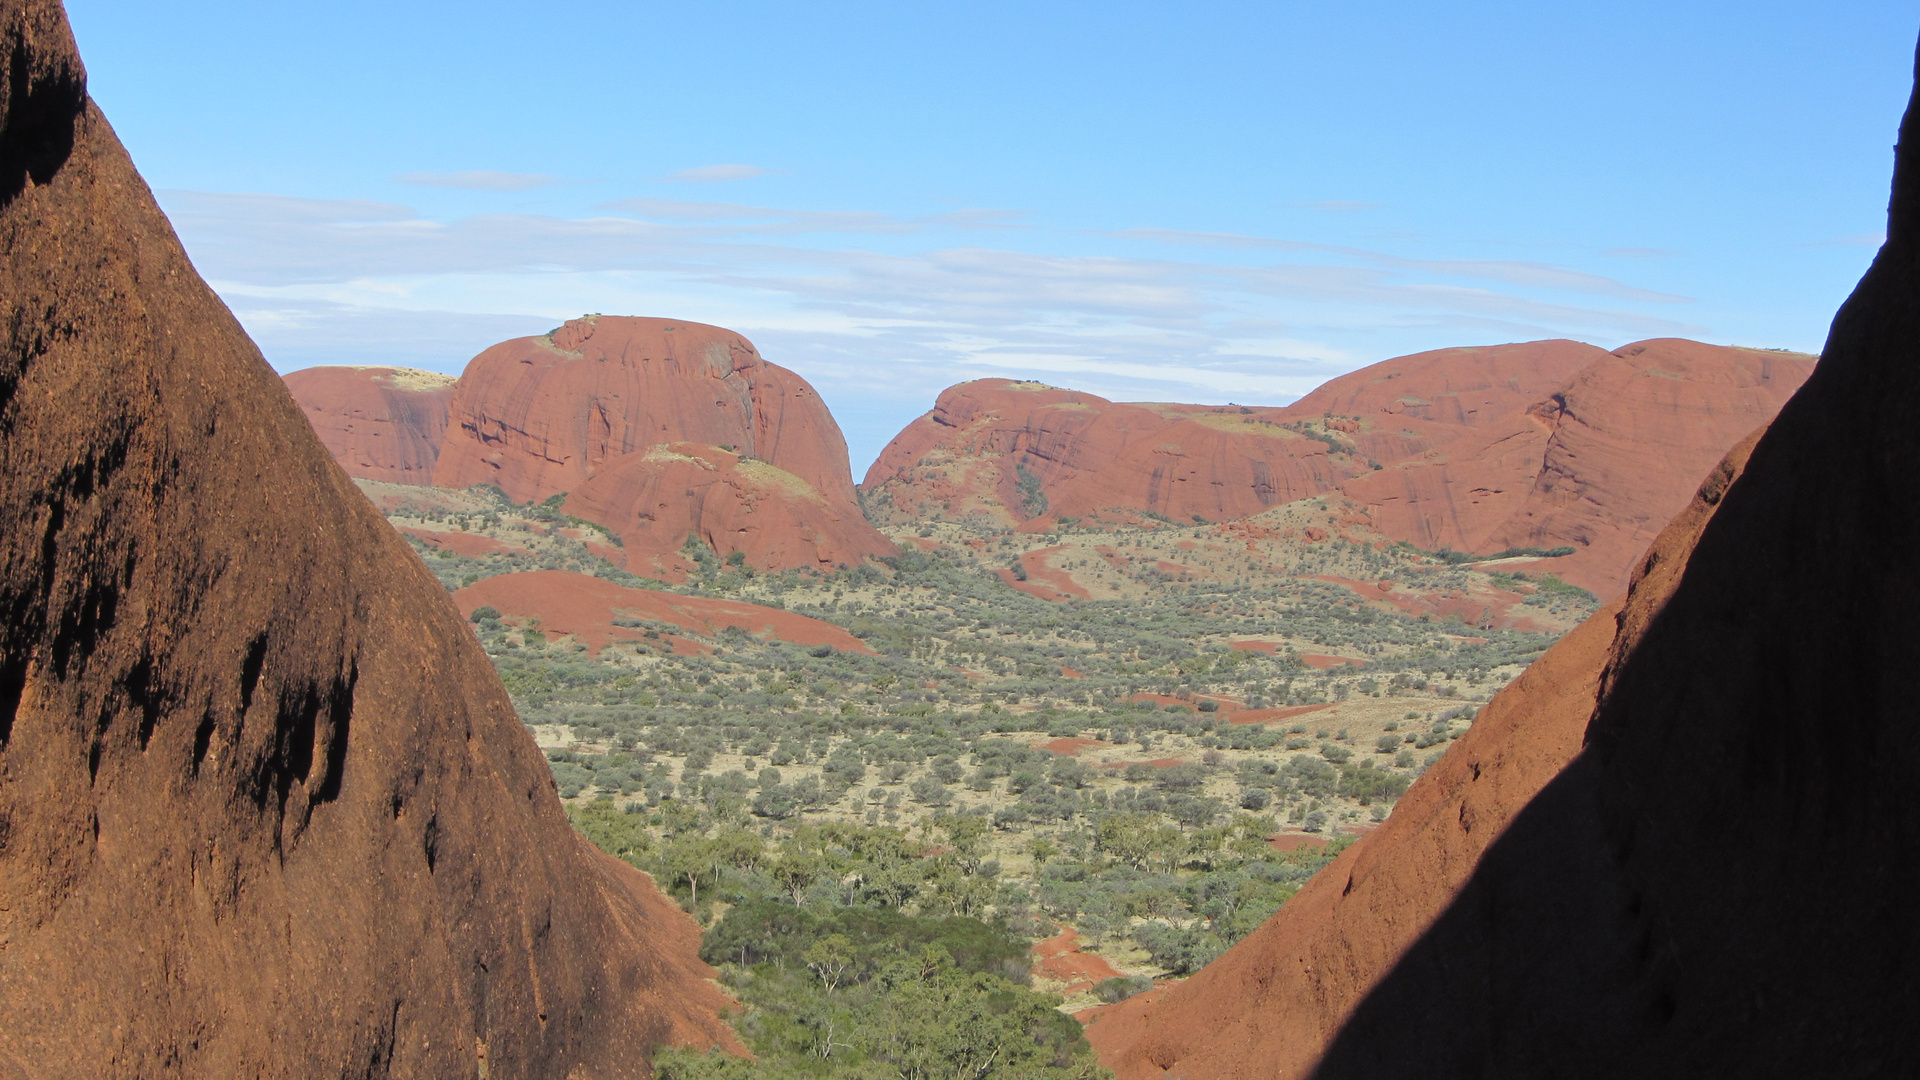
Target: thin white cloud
(1530,274)
(1865,239)
(479,180)
(343,281)
(716,174)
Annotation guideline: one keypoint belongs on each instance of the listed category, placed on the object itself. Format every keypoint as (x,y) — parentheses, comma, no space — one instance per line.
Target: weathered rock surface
(1682,844)
(607,408)
(264,809)
(1543,444)
(1600,465)
(656,498)
(379,423)
(1011,453)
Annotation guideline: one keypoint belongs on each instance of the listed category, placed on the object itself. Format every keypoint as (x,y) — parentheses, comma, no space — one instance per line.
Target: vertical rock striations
(379,423)
(1717,882)
(661,429)
(264,809)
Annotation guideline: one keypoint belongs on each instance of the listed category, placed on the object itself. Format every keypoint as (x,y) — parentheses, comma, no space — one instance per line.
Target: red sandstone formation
(587,607)
(1544,444)
(379,423)
(265,811)
(1010,452)
(1681,844)
(656,498)
(660,429)
(1410,404)
(1598,466)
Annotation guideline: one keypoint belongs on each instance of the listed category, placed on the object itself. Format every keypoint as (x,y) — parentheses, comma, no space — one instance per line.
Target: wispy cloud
(879,308)
(479,180)
(1866,239)
(1530,274)
(716,174)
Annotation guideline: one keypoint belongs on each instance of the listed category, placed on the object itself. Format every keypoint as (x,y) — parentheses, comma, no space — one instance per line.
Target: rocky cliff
(1543,445)
(1685,847)
(660,429)
(264,809)
(379,423)
(1598,465)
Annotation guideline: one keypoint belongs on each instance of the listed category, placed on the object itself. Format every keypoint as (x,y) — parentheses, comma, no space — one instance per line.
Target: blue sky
(1196,202)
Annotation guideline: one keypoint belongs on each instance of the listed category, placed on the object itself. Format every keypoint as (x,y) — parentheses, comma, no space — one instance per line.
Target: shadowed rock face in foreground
(264,809)
(1718,880)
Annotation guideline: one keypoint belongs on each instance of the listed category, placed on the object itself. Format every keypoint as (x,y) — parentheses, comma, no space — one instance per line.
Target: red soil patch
(1268,716)
(1069,673)
(460,543)
(585,607)
(1292,841)
(1039,570)
(1316,660)
(1256,646)
(1031,588)
(1061,960)
(1068,747)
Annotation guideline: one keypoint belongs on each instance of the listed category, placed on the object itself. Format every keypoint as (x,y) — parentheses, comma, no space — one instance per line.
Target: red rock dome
(379,423)
(615,412)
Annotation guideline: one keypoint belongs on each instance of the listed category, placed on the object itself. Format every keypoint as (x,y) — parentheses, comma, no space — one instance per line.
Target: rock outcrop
(1014,453)
(1540,445)
(265,810)
(1599,465)
(379,423)
(1684,846)
(660,429)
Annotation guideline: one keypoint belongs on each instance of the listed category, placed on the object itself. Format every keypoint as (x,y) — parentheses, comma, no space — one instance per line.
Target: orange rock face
(624,414)
(1599,466)
(658,497)
(379,423)
(1543,444)
(1676,846)
(1011,453)
(265,810)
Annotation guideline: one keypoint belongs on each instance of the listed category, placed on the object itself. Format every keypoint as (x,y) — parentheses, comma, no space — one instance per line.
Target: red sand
(1292,841)
(461,543)
(1061,960)
(1068,747)
(1268,716)
(1316,660)
(585,607)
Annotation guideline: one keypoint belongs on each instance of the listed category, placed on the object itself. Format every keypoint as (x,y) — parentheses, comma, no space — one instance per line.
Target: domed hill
(1681,845)
(1410,404)
(591,609)
(1599,466)
(667,428)
(1541,445)
(267,810)
(379,423)
(1010,452)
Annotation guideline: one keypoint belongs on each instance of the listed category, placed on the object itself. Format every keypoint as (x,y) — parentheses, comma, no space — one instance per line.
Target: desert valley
(1514,709)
